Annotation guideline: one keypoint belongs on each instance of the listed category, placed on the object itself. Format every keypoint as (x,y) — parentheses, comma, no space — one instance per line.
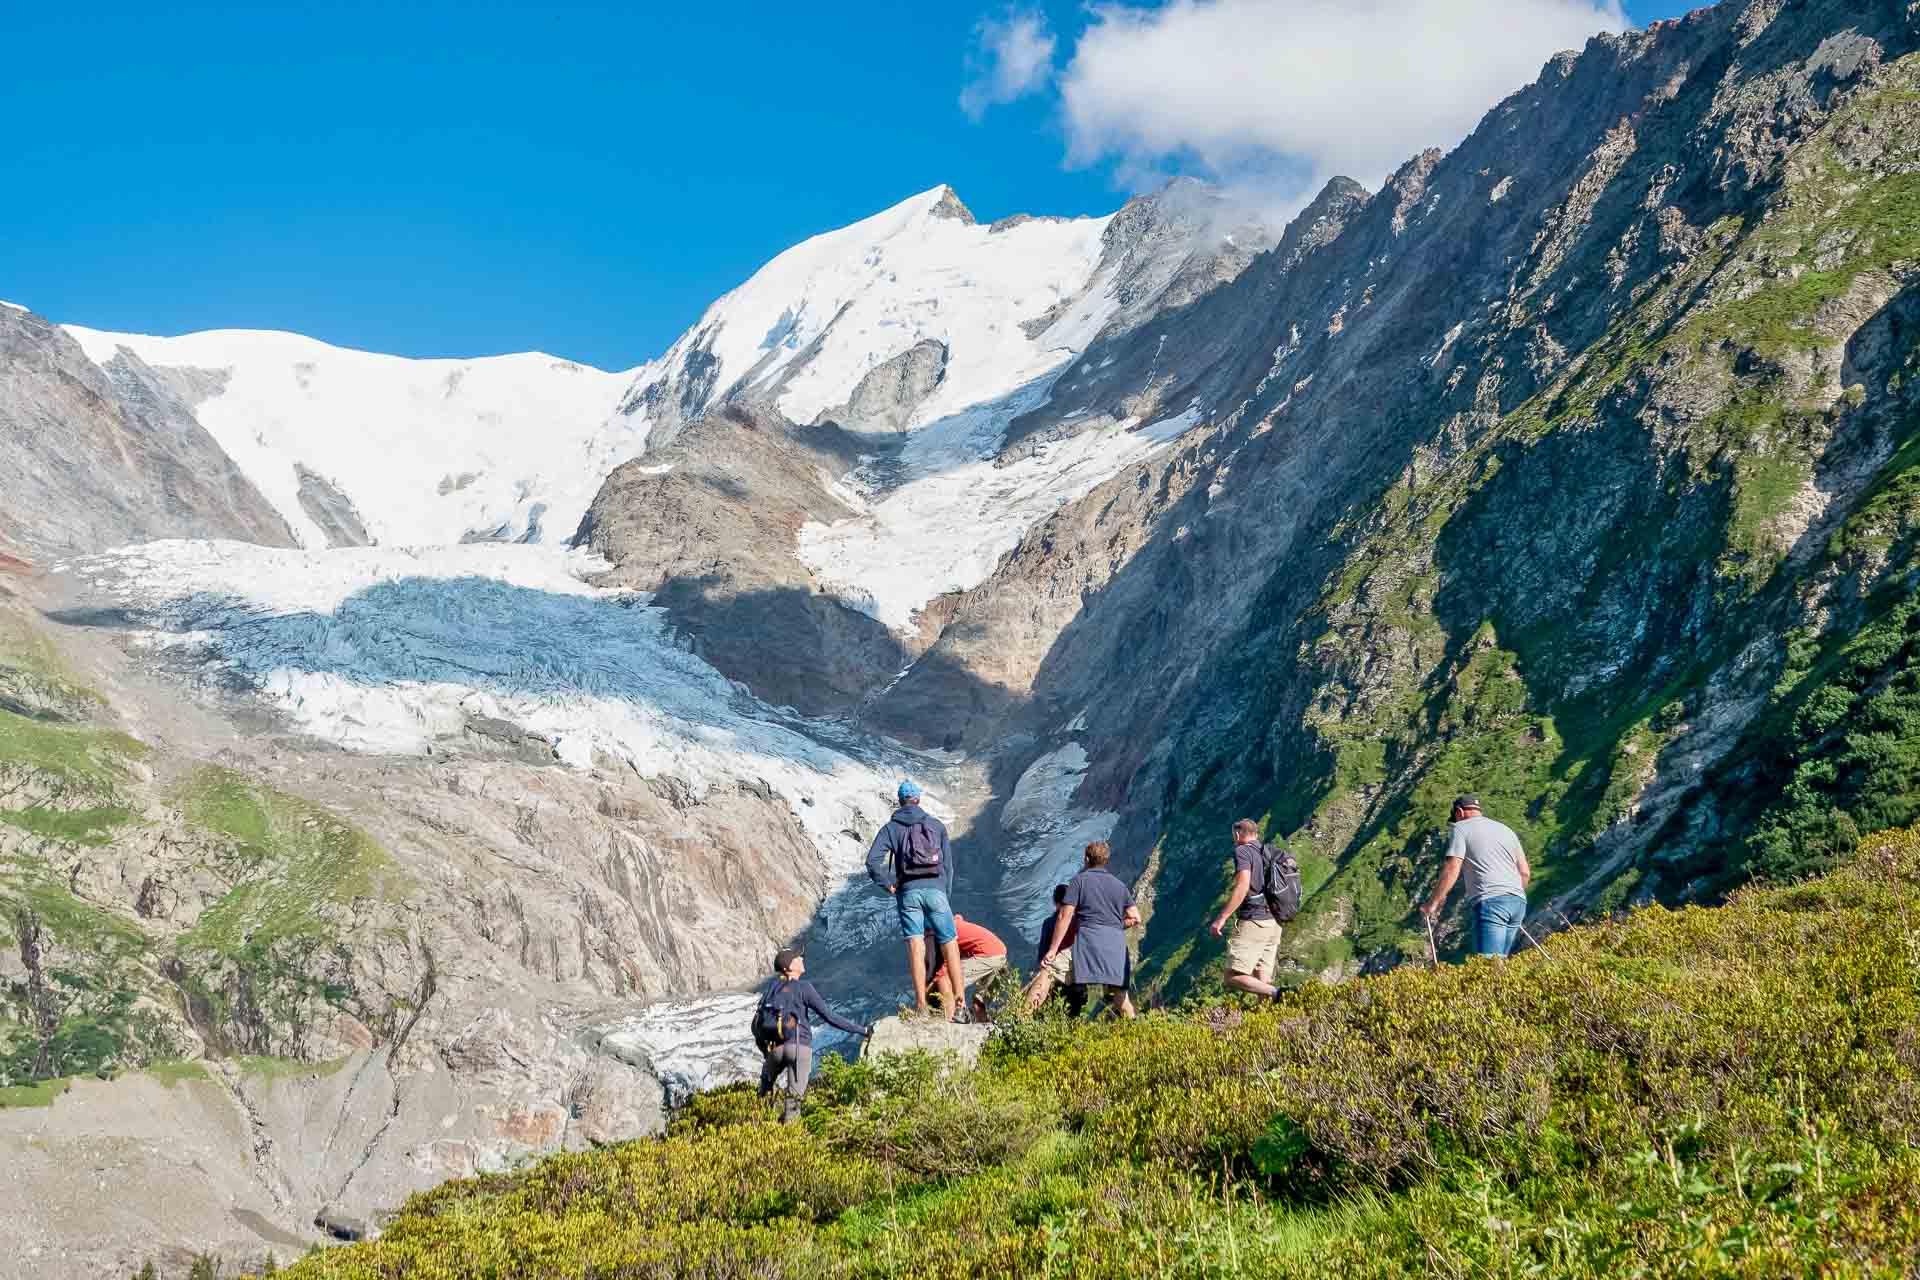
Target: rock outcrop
(100,457)
(708,524)
(900,1034)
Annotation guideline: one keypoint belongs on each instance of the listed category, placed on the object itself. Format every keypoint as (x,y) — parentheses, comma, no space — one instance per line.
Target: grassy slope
(1708,1091)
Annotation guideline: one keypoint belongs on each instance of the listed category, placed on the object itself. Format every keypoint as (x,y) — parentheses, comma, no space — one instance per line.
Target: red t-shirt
(978,940)
(975,940)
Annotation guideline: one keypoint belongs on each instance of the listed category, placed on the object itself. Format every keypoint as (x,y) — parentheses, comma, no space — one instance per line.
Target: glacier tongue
(943,513)
(388,650)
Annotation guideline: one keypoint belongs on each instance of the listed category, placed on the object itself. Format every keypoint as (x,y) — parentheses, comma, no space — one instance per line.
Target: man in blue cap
(911,859)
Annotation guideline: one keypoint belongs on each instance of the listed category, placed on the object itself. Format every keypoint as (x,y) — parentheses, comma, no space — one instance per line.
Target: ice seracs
(393,650)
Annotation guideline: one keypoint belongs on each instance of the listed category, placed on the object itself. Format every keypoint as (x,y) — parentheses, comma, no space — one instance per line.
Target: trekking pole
(1433,951)
(1536,942)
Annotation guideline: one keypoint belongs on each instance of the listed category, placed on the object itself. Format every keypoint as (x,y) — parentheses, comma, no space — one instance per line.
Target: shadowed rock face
(709,524)
(332,510)
(1169,260)
(97,458)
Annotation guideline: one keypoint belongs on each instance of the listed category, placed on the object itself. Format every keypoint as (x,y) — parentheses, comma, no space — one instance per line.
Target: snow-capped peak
(808,326)
(415,452)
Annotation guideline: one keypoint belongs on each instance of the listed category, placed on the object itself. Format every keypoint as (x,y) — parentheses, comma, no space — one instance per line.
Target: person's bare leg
(1038,990)
(1250,983)
(955,975)
(917,968)
(1126,1005)
(949,1001)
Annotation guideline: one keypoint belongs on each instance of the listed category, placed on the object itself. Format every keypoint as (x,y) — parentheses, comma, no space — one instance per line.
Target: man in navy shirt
(912,859)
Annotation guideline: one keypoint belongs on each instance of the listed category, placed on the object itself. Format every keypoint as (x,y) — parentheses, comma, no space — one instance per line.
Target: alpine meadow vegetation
(1703,1091)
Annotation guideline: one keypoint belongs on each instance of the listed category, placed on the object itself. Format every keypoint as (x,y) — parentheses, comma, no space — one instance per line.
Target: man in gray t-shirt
(1496,873)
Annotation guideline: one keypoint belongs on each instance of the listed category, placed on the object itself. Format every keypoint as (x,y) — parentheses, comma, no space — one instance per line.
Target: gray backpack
(1280,882)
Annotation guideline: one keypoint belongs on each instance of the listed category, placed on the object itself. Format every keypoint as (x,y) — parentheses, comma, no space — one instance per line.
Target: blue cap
(909,789)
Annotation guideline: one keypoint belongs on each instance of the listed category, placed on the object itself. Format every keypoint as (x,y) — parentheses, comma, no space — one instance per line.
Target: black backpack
(920,856)
(775,1021)
(1280,882)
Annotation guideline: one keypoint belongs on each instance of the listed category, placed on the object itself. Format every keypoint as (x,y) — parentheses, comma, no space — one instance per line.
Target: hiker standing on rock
(1254,953)
(1103,908)
(785,1036)
(983,958)
(911,860)
(1497,876)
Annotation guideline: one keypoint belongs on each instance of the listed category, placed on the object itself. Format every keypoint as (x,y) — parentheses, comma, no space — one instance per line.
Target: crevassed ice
(385,649)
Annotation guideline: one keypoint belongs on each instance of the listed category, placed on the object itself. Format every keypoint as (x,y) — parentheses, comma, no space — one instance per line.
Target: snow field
(426,450)
(947,526)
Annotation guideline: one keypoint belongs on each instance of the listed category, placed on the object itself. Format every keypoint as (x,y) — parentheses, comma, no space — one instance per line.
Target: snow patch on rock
(945,525)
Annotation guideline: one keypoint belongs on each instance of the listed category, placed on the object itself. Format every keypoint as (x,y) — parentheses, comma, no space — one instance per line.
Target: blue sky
(460,179)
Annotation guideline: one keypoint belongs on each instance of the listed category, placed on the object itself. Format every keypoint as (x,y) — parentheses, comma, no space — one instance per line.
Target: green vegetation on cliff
(1662,610)
(271,951)
(1723,1091)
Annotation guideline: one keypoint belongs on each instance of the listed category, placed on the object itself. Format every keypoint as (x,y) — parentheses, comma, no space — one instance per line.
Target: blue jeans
(1496,922)
(923,905)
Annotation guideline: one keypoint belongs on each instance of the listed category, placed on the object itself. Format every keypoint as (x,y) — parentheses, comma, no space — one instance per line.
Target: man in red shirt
(983,957)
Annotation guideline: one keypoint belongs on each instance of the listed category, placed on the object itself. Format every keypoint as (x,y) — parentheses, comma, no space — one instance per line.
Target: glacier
(470,477)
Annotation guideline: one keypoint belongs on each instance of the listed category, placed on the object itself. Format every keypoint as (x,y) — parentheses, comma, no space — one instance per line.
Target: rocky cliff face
(98,456)
(1568,467)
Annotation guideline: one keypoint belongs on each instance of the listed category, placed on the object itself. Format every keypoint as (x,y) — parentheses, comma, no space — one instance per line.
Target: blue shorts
(1496,920)
(923,905)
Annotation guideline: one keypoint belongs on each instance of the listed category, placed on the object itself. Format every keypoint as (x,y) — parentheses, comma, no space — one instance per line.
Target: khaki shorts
(1060,968)
(978,969)
(1254,948)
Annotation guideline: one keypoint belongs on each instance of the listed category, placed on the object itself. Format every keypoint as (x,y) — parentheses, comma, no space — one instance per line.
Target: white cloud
(1286,93)
(1011,57)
